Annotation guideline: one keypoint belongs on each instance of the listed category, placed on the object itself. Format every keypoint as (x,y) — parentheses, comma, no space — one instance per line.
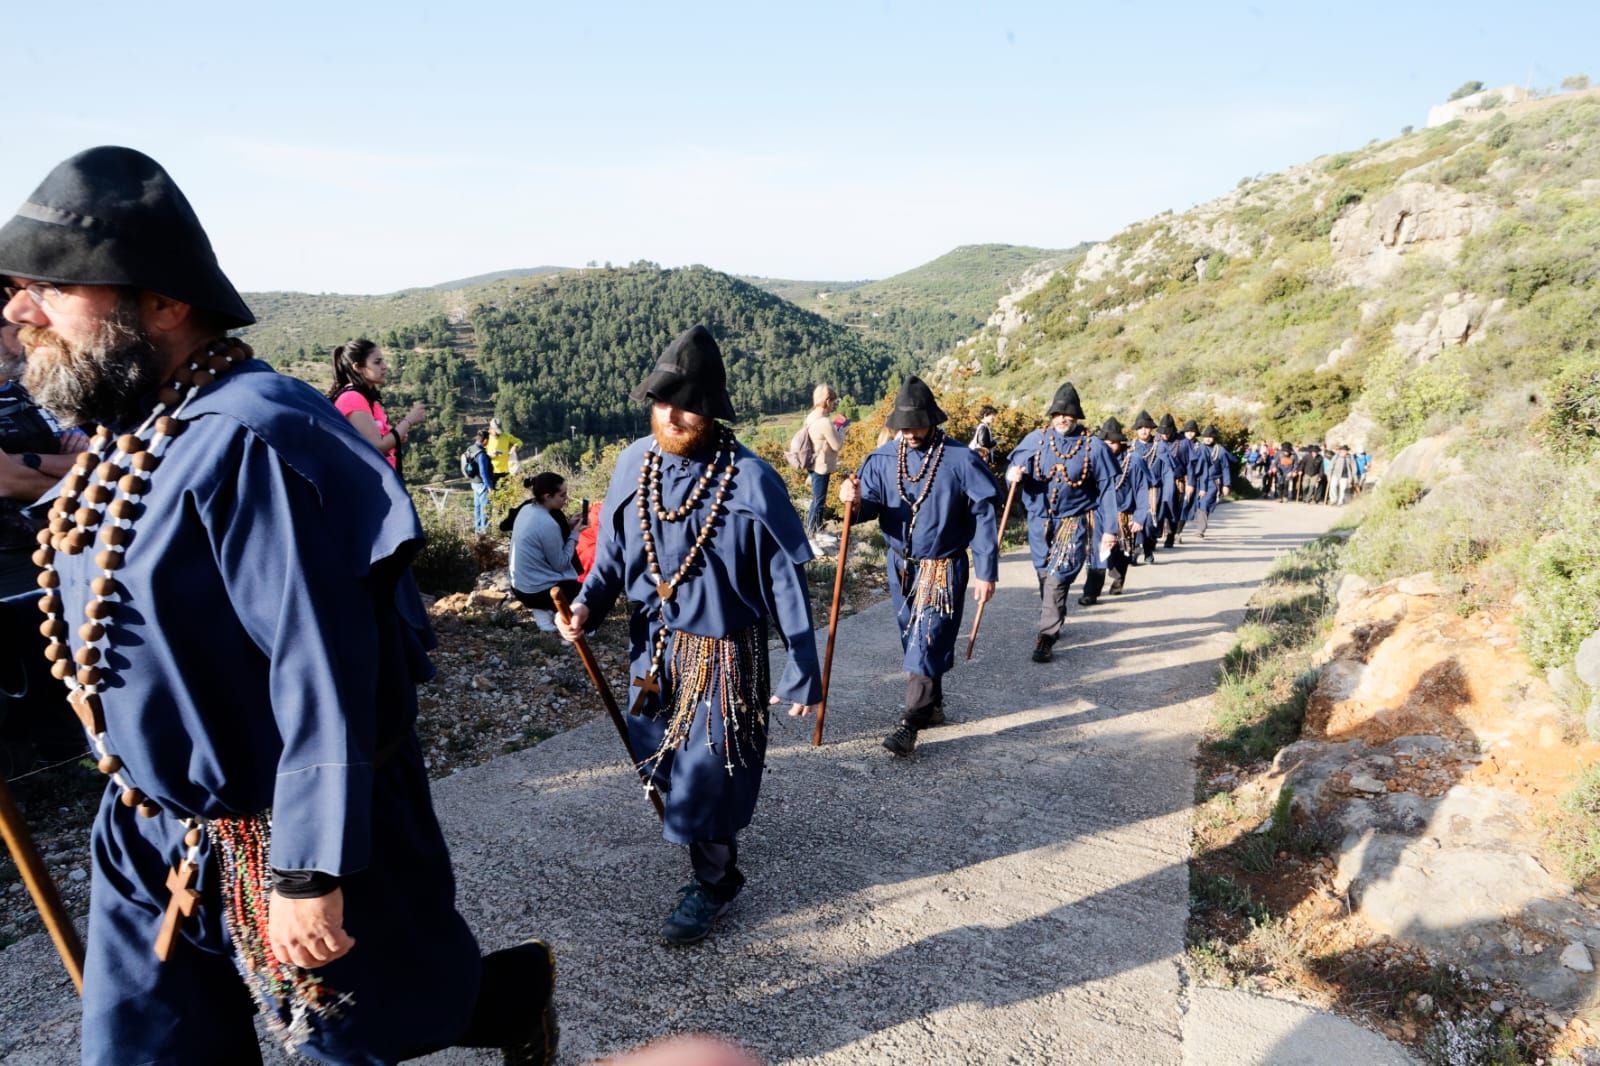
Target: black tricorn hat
(1168,425)
(689,374)
(914,407)
(1211,431)
(113,216)
(1191,426)
(1111,432)
(1144,421)
(1065,402)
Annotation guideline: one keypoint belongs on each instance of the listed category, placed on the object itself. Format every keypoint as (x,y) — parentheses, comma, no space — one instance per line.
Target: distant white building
(1487,100)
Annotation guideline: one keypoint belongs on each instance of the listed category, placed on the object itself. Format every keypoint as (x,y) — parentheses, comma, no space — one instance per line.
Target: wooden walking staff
(592,667)
(43,890)
(977,619)
(833,621)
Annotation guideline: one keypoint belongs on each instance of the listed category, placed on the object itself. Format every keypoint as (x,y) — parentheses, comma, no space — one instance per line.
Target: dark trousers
(1053,604)
(923,694)
(819,498)
(1117,565)
(541,599)
(716,867)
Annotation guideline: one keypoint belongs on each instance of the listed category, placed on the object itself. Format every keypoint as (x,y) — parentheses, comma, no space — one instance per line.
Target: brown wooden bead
(169,396)
(109,560)
(191,839)
(53,629)
(123,509)
(85,462)
(43,539)
(99,610)
(115,536)
(218,364)
(76,482)
(61,524)
(104,586)
(98,494)
(90,676)
(78,540)
(109,765)
(87,655)
(131,797)
(57,652)
(168,426)
(42,557)
(87,517)
(202,378)
(90,632)
(149,809)
(146,461)
(48,579)
(58,542)
(129,444)
(109,472)
(61,670)
(183,375)
(132,485)
(50,603)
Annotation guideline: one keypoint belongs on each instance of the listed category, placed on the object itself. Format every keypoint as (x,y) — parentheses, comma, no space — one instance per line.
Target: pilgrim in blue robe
(1216,473)
(263,654)
(750,575)
(1158,475)
(1050,500)
(956,514)
(1131,485)
(1193,465)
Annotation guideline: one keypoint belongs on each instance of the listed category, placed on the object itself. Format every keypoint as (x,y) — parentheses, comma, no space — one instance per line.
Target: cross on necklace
(646,685)
(182,904)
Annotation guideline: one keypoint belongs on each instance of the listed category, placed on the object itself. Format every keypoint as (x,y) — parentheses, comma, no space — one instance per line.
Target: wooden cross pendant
(646,685)
(183,902)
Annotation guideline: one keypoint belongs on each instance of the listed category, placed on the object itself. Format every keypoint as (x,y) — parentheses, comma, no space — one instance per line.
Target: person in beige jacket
(827,437)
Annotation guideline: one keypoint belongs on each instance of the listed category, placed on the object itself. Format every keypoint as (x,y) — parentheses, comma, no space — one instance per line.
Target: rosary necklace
(930,467)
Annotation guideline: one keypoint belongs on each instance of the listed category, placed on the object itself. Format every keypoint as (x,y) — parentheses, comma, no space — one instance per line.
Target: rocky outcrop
(1426,460)
(1356,431)
(1430,751)
(1459,318)
(1372,240)
(1478,103)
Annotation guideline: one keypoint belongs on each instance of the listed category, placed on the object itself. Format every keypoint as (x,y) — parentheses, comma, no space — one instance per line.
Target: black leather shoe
(903,741)
(1088,601)
(691,919)
(539,1047)
(1041,650)
(936,716)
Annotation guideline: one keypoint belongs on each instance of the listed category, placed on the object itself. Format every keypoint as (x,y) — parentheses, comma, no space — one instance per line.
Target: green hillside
(1442,285)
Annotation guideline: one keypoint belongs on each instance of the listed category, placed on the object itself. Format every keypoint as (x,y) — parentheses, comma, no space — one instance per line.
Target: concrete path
(1015,893)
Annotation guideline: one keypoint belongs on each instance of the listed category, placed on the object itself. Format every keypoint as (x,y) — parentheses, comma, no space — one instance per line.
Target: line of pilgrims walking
(227,600)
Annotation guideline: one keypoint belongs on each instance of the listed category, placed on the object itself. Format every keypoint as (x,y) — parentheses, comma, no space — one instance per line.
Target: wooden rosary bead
(149,809)
(87,655)
(99,610)
(191,839)
(202,378)
(90,632)
(57,652)
(105,585)
(78,540)
(61,670)
(109,560)
(42,557)
(125,510)
(218,364)
(98,494)
(131,485)
(42,538)
(168,426)
(61,524)
(58,542)
(108,471)
(87,517)
(48,579)
(130,444)
(109,764)
(75,483)
(53,629)
(131,797)
(145,462)
(183,375)
(169,396)
(85,462)
(90,676)
(50,604)
(115,536)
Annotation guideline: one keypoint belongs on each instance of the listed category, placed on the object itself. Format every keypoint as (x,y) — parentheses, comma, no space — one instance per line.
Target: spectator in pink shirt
(359,371)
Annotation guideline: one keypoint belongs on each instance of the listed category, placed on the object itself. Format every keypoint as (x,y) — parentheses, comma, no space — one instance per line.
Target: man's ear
(162,314)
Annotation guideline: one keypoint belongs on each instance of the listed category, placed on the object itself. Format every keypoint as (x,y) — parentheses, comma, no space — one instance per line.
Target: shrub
(1575,828)
(1561,575)
(1467,88)
(446,562)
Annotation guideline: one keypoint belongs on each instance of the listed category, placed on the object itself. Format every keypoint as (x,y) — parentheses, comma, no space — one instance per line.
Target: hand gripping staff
(977,619)
(592,667)
(833,621)
(43,890)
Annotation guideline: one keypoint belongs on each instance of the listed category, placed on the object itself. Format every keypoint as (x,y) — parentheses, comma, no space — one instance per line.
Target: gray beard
(106,380)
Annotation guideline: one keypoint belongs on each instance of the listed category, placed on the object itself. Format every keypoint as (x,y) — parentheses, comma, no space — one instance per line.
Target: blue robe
(957,513)
(1157,463)
(1215,472)
(1095,497)
(1191,465)
(751,573)
(264,654)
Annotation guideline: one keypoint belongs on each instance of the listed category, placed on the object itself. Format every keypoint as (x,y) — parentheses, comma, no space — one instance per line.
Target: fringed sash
(1066,553)
(931,597)
(734,670)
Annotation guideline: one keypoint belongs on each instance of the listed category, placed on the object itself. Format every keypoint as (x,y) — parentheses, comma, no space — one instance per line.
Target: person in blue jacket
(1214,477)
(1176,448)
(1067,479)
(229,605)
(933,499)
(1160,485)
(1132,484)
(699,537)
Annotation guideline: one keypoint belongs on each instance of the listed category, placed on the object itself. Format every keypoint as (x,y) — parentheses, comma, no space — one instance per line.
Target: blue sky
(360,148)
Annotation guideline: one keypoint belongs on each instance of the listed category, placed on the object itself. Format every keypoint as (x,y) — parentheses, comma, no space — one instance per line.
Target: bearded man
(933,499)
(699,536)
(228,603)
(1067,478)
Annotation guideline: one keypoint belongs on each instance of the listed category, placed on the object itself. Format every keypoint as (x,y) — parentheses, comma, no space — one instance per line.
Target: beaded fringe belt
(293,999)
(732,669)
(931,598)
(1127,535)
(1066,553)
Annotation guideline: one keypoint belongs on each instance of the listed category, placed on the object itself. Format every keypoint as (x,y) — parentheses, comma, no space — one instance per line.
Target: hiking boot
(903,741)
(1088,601)
(539,1046)
(1041,650)
(691,919)
(936,716)
(1116,586)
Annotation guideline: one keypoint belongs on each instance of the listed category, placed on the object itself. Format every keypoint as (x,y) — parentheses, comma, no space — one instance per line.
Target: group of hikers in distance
(225,596)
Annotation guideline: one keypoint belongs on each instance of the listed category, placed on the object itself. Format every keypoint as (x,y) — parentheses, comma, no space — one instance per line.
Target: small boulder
(1576,957)
(1587,663)
(1423,584)
(1364,782)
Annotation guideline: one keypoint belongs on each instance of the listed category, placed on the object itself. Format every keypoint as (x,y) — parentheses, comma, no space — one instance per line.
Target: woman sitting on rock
(542,543)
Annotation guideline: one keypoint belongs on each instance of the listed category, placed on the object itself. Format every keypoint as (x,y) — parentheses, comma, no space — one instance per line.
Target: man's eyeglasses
(40,292)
